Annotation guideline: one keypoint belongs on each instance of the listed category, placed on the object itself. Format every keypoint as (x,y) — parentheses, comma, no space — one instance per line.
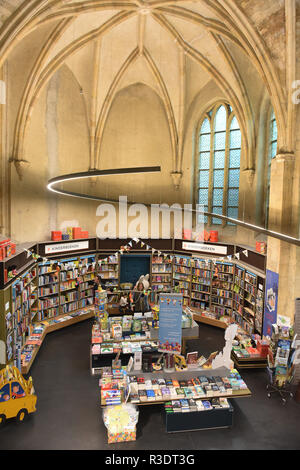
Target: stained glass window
(203,167)
(219,155)
(272,151)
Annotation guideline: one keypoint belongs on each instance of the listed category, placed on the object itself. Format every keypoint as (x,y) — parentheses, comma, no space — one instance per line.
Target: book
(200,406)
(155,385)
(143,395)
(188,392)
(199,391)
(134,398)
(192,405)
(161,382)
(192,360)
(224,402)
(208,390)
(207,405)
(150,395)
(180,393)
(203,380)
(216,403)
(173,393)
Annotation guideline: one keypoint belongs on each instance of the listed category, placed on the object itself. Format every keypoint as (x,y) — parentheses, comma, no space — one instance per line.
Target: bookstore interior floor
(69,417)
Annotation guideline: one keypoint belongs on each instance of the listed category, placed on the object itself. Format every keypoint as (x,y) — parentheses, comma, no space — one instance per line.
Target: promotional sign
(214,249)
(271,301)
(170,317)
(49,249)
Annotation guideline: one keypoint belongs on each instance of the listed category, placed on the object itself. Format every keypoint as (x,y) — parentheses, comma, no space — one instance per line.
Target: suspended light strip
(139,170)
(92,174)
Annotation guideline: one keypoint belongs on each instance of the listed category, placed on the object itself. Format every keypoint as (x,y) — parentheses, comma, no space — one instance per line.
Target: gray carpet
(69,416)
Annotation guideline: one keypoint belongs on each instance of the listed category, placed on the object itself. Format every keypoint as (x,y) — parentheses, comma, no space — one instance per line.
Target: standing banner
(170,318)
(271,301)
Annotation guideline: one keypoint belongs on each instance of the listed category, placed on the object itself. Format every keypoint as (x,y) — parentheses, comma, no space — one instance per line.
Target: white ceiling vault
(109,45)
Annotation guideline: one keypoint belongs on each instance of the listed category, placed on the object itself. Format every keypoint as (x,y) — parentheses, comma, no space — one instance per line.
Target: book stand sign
(170,331)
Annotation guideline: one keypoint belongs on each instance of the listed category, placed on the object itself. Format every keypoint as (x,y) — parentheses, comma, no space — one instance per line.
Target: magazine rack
(273,388)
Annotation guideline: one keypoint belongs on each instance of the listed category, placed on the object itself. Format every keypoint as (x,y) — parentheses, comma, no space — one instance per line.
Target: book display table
(101,360)
(197,407)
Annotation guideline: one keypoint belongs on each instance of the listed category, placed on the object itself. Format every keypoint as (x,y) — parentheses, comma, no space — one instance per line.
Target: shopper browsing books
(140,299)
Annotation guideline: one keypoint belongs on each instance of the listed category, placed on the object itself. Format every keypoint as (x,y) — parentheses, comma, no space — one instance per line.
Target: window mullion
(211,173)
(226,166)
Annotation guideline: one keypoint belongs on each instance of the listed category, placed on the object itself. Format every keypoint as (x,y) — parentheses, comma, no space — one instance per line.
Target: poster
(170,317)
(271,301)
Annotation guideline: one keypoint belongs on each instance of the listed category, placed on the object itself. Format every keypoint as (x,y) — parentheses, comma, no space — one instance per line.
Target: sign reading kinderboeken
(170,318)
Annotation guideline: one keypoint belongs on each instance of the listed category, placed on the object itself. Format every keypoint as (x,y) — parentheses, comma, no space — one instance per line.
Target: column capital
(176,176)
(20,166)
(286,157)
(250,173)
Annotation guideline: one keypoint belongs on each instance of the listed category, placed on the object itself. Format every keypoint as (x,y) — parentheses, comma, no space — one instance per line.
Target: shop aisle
(69,416)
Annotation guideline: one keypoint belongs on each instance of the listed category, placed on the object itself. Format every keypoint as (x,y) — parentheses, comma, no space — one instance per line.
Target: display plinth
(199,420)
(249,362)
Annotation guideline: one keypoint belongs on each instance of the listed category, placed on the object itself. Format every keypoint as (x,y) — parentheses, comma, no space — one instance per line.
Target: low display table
(101,360)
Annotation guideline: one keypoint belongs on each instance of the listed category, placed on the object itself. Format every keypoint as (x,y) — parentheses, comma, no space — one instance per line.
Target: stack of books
(113,386)
(190,405)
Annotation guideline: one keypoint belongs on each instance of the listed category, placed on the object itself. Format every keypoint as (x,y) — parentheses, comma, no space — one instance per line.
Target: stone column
(282,256)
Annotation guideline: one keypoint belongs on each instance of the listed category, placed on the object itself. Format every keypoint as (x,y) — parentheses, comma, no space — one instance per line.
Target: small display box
(127,436)
(198,420)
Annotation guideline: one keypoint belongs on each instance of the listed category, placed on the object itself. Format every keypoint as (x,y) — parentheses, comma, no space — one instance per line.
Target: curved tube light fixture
(136,170)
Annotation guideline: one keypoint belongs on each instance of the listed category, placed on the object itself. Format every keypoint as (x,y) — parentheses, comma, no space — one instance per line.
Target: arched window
(272,151)
(218,164)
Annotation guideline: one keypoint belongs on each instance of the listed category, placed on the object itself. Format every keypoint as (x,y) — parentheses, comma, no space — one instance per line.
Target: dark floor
(69,416)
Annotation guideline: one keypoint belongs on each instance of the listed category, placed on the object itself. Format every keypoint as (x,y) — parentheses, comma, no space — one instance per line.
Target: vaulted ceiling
(174,47)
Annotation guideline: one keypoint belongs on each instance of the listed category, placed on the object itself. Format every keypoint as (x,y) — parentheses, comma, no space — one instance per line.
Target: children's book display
(100,304)
(250,347)
(162,269)
(123,328)
(281,354)
(109,270)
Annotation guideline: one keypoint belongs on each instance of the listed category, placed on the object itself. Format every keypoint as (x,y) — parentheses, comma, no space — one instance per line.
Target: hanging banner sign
(170,318)
(215,249)
(271,301)
(49,249)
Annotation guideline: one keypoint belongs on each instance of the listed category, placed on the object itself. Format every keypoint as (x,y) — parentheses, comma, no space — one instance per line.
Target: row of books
(189,406)
(199,387)
(125,347)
